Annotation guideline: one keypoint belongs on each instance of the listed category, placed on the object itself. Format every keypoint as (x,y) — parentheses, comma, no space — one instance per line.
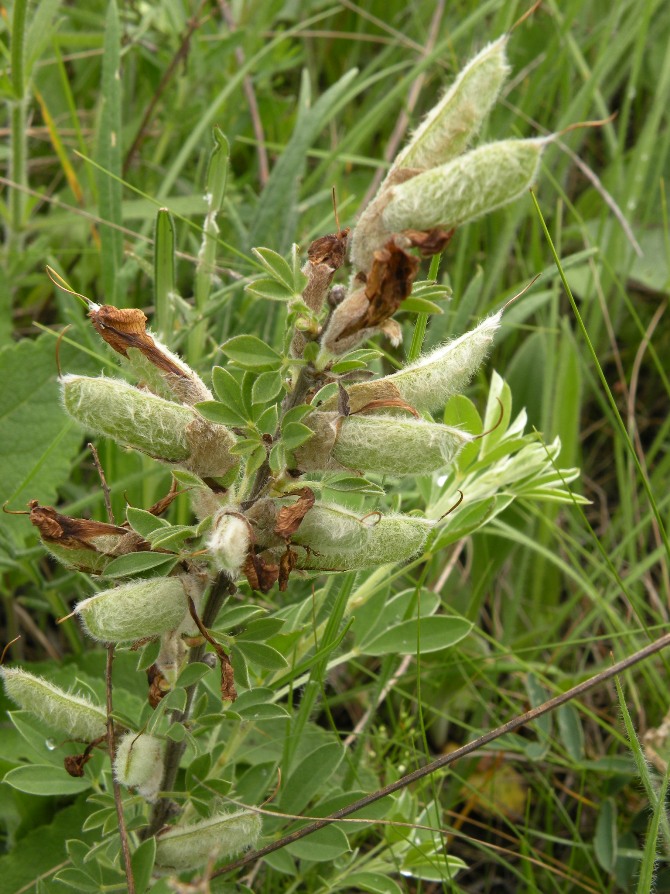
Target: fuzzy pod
(451,125)
(466,187)
(188,847)
(229,541)
(389,539)
(428,383)
(384,444)
(139,763)
(73,715)
(178,382)
(135,610)
(171,658)
(161,428)
(331,529)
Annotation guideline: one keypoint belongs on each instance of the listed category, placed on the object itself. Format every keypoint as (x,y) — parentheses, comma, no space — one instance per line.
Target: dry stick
(453,756)
(181,53)
(248,87)
(103,482)
(222,587)
(111,745)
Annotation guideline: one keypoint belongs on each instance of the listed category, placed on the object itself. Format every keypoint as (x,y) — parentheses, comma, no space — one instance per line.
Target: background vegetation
(552,592)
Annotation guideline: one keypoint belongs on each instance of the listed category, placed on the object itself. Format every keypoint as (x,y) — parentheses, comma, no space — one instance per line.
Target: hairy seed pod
(450,126)
(229,541)
(187,847)
(466,187)
(330,528)
(161,428)
(428,383)
(384,444)
(73,715)
(135,610)
(139,763)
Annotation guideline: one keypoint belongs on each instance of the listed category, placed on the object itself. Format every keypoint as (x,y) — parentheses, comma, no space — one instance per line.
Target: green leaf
(571,731)
(39,441)
(42,779)
(77,879)
(262,655)
(164,271)
(266,387)
(414,305)
(142,862)
(221,413)
(192,673)
(308,777)
(321,847)
(144,522)
(267,421)
(295,414)
(605,839)
(235,615)
(439,632)
(349,484)
(270,289)
(135,563)
(276,266)
(148,655)
(374,882)
(251,353)
(294,434)
(261,629)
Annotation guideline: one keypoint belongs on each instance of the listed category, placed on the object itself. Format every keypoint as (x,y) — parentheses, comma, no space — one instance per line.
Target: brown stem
(223,586)
(111,744)
(453,756)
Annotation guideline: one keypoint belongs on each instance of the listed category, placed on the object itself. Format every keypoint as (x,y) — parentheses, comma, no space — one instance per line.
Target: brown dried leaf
(429,242)
(75,533)
(388,284)
(124,328)
(158,686)
(290,518)
(74,764)
(261,575)
(161,506)
(228,691)
(343,405)
(330,249)
(287,563)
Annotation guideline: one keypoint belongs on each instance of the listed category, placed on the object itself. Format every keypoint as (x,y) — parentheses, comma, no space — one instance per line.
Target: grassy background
(89,160)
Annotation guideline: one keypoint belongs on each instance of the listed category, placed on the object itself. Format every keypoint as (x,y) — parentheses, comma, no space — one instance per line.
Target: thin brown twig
(447,759)
(103,483)
(111,744)
(248,87)
(182,51)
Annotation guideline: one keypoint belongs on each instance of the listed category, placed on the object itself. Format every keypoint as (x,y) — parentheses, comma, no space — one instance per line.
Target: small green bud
(229,542)
(449,127)
(465,188)
(387,445)
(187,847)
(161,428)
(135,610)
(433,379)
(139,763)
(73,715)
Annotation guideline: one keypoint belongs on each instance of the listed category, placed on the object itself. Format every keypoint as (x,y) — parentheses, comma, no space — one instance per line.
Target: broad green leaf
(571,731)
(221,413)
(142,862)
(251,353)
(294,434)
(267,421)
(414,305)
(276,266)
(308,776)
(43,779)
(228,388)
(77,879)
(349,484)
(192,673)
(261,629)
(134,563)
(321,847)
(39,441)
(266,387)
(432,635)
(296,414)
(374,882)
(270,289)
(235,615)
(144,522)
(262,655)
(606,834)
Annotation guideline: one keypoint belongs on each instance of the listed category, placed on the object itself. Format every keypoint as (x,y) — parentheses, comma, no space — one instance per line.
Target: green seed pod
(133,611)
(172,656)
(465,188)
(161,428)
(388,539)
(229,542)
(182,384)
(449,127)
(387,445)
(330,529)
(187,847)
(433,379)
(139,763)
(73,715)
